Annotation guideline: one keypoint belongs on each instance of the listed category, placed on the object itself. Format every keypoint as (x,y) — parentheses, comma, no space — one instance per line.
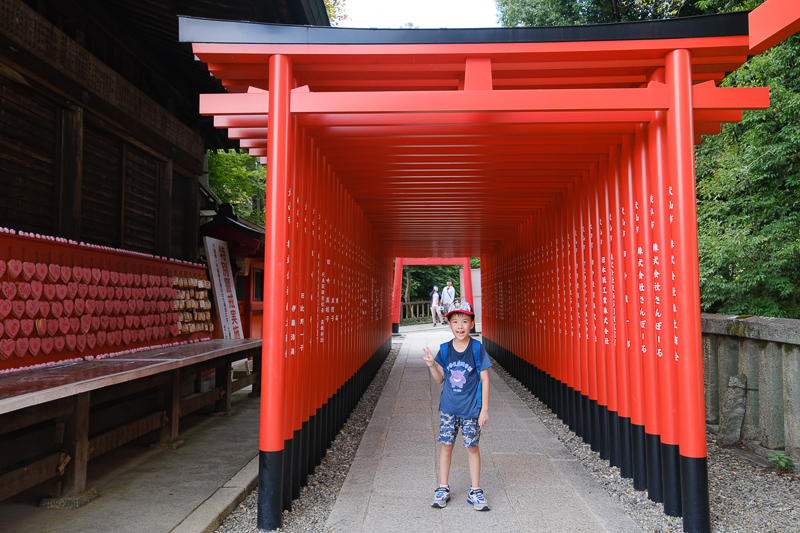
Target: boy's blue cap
(460,306)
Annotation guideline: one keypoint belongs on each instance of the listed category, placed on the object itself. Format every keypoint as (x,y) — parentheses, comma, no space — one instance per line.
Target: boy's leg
(447,433)
(445,457)
(472,436)
(474,460)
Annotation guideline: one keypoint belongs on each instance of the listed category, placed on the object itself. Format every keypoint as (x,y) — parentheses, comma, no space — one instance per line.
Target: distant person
(462,365)
(448,296)
(436,299)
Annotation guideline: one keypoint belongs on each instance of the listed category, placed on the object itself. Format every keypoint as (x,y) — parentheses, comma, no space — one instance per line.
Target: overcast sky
(421,13)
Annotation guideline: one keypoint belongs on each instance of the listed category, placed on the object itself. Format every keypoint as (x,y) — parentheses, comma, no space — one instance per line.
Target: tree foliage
(748,194)
(336,12)
(579,12)
(238,179)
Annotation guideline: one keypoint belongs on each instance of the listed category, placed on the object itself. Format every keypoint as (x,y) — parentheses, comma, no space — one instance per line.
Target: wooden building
(101,151)
(100,136)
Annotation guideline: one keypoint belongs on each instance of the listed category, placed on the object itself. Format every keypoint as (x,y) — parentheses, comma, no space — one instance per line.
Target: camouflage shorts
(449,426)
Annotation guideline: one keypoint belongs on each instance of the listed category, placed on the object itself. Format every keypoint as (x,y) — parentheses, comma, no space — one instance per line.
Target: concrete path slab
(532,482)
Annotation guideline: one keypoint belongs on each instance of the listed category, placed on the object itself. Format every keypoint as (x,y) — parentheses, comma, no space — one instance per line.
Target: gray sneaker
(440,497)
(477,500)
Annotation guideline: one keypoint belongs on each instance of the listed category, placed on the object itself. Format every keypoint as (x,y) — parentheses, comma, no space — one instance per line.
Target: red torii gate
(567,158)
(400,262)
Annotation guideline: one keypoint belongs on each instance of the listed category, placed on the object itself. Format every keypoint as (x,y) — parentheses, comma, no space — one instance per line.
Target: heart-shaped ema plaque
(7,347)
(41,271)
(47,345)
(28,270)
(14,268)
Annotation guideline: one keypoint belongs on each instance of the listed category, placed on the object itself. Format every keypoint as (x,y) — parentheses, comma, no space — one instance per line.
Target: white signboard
(224,287)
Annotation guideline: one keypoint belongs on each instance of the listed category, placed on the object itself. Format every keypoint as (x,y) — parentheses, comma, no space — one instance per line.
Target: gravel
(745,497)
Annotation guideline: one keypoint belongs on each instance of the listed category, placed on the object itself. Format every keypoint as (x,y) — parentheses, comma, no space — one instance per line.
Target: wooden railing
(412,310)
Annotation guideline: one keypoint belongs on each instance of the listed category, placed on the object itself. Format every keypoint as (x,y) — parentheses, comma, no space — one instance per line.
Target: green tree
(748,195)
(578,12)
(238,179)
(705,7)
(422,278)
(335,9)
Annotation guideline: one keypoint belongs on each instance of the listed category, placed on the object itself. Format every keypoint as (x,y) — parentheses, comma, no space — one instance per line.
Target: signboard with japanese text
(224,287)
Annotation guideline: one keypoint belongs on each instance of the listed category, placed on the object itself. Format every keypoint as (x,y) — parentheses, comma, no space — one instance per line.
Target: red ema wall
(61,301)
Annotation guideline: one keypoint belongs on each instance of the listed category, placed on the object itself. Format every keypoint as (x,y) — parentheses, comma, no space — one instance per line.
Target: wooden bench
(54,420)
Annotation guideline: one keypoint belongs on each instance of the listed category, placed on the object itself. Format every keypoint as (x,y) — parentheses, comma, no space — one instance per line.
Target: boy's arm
(484,416)
(433,366)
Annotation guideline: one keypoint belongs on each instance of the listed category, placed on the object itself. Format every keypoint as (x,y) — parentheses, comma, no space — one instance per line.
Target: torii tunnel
(562,157)
(400,262)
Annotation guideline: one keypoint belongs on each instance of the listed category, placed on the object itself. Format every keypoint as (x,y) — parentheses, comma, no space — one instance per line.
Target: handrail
(411,310)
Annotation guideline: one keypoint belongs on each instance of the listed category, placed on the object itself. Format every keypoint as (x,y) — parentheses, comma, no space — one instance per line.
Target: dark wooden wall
(86,155)
(29,145)
(67,173)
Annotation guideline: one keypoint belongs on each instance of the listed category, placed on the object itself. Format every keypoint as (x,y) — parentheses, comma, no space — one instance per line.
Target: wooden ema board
(61,301)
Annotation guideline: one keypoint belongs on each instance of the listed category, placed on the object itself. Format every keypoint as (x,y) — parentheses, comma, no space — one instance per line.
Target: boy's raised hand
(428,357)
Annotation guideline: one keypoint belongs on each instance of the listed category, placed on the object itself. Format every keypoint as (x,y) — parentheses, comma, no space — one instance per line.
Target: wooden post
(172,405)
(164,215)
(71,173)
(222,381)
(72,492)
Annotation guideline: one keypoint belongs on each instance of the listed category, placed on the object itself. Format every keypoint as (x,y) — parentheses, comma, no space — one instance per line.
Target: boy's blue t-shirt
(461,379)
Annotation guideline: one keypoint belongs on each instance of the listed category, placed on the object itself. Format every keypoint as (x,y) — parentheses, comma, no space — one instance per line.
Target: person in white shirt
(448,295)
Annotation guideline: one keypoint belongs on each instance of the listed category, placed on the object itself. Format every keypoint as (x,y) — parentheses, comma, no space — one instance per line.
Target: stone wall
(766,351)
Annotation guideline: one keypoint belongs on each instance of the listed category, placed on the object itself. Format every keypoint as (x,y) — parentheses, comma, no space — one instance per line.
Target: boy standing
(464,404)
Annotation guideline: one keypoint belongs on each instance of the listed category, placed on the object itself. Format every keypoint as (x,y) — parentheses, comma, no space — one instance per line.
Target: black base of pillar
(395,328)
(613,438)
(625,452)
(319,451)
(671,473)
(594,414)
(638,457)
(655,487)
(287,475)
(309,453)
(694,493)
(574,411)
(297,447)
(586,406)
(605,441)
(270,490)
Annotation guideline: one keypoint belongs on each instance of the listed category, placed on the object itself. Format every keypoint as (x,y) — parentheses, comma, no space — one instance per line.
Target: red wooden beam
(772,22)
